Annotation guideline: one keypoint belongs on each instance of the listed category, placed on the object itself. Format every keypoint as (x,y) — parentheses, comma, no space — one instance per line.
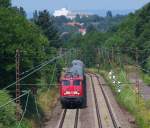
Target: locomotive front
(72,87)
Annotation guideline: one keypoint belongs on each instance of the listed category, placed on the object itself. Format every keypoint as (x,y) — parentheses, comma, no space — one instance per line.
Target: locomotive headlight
(73,92)
(67,92)
(76,92)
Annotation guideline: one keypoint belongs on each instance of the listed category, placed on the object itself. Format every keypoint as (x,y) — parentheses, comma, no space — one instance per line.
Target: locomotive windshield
(66,82)
(76,82)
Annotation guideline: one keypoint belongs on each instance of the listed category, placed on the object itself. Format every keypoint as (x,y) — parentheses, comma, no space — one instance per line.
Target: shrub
(130,100)
(7,113)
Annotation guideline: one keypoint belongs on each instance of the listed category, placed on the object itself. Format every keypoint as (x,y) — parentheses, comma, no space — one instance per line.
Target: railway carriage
(73,86)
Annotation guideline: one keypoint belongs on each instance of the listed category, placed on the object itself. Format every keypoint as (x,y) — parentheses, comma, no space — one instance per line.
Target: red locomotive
(73,86)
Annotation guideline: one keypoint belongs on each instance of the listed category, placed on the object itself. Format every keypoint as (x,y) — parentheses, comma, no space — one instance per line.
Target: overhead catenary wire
(42,65)
(37,112)
(124,49)
(14,99)
(28,74)
(46,63)
(33,68)
(145,70)
(25,109)
(40,84)
(128,49)
(52,76)
(144,60)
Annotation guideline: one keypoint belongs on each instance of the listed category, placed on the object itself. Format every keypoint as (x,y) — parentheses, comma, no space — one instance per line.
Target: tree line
(129,37)
(37,41)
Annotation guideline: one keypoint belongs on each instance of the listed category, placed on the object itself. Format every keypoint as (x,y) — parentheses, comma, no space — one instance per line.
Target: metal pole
(98,58)
(17,85)
(137,80)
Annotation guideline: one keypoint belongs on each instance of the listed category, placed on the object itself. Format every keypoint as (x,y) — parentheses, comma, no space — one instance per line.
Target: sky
(31,5)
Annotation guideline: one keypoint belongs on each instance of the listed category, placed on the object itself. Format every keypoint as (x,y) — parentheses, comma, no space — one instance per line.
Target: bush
(146,78)
(7,113)
(129,100)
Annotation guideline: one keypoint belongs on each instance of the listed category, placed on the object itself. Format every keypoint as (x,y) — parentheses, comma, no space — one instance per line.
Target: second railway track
(96,104)
(105,115)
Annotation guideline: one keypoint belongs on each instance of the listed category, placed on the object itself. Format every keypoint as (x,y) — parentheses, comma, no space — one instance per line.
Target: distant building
(64,12)
(61,12)
(82,31)
(73,24)
(71,15)
(68,14)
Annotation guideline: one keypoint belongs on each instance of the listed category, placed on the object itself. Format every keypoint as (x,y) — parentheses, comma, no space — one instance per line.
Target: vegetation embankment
(126,44)
(8,113)
(38,42)
(146,78)
(130,39)
(127,96)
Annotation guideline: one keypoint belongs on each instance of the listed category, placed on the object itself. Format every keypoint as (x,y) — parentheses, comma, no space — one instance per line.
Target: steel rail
(62,119)
(115,123)
(76,119)
(96,105)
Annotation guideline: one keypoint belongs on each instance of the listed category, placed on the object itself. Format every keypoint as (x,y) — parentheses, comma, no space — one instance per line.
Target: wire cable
(37,111)
(50,61)
(24,111)
(148,71)
(32,68)
(144,60)
(14,99)
(52,76)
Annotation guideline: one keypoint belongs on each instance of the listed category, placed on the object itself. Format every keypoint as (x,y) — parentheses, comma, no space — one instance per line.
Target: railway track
(105,115)
(69,118)
(101,111)
(96,105)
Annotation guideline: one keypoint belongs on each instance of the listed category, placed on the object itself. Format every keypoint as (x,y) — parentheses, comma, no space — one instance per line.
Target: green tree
(17,32)
(5,3)
(8,112)
(20,10)
(46,22)
(109,14)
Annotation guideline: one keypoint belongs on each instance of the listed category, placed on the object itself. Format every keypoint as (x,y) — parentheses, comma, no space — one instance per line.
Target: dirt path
(55,115)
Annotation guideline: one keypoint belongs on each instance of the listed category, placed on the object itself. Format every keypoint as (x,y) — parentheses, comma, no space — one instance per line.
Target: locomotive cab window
(66,82)
(76,82)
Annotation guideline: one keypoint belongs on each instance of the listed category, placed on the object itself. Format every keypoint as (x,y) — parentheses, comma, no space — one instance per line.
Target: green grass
(128,99)
(48,94)
(146,78)
(47,99)
(7,113)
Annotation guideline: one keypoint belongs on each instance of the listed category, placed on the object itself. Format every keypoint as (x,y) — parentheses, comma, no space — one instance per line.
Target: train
(73,86)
